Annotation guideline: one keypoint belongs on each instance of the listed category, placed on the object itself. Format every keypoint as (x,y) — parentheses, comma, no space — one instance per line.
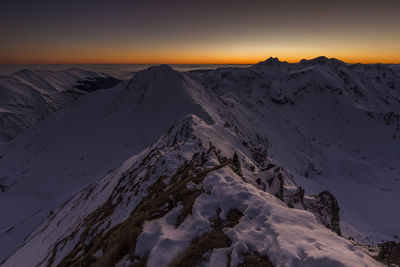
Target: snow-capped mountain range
(285,164)
(27,96)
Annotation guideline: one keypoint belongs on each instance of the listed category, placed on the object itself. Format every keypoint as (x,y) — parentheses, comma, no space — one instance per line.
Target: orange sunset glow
(222,32)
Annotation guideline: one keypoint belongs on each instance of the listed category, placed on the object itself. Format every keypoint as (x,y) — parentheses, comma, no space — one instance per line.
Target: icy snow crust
(326,124)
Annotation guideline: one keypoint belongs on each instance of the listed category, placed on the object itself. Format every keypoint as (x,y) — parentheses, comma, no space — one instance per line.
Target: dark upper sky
(202,31)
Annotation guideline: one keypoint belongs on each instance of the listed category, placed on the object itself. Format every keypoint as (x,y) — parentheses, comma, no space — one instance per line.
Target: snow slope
(322,124)
(163,205)
(27,96)
(334,125)
(71,148)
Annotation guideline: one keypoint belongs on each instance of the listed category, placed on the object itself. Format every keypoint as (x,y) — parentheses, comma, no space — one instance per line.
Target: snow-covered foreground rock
(27,96)
(271,163)
(184,201)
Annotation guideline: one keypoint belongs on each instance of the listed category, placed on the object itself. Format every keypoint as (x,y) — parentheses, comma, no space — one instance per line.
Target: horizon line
(191,63)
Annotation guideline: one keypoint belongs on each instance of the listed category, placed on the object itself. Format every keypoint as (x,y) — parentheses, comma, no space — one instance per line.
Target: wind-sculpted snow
(162,205)
(27,96)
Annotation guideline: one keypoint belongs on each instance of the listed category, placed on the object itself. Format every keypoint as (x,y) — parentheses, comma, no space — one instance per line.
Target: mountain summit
(321,61)
(272,61)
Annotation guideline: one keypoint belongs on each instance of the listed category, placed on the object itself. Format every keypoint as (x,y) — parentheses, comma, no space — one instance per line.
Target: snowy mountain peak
(272,61)
(162,68)
(161,86)
(159,72)
(322,60)
(161,76)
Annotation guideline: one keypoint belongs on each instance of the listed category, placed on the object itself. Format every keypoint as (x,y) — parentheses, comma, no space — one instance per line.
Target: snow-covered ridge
(335,125)
(161,206)
(73,147)
(27,96)
(312,137)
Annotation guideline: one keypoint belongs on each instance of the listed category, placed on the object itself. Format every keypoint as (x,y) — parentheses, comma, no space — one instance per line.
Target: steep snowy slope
(185,202)
(334,125)
(328,126)
(58,156)
(27,96)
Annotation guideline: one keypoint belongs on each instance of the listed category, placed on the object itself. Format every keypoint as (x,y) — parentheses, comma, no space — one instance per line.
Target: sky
(197,31)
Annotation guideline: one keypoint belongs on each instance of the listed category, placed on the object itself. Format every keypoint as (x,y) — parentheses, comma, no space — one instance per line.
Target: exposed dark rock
(194,254)
(3,186)
(326,209)
(236,164)
(256,260)
(389,253)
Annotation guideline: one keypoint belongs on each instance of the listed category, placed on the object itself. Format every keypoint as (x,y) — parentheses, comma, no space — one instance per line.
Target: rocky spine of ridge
(183,201)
